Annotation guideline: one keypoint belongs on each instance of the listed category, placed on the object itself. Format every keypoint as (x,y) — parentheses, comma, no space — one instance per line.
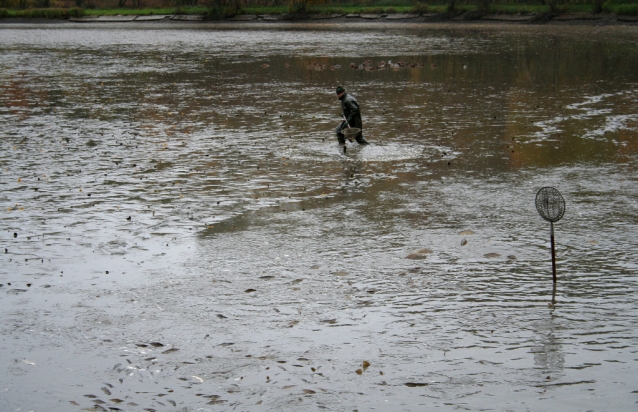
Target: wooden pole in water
(553,251)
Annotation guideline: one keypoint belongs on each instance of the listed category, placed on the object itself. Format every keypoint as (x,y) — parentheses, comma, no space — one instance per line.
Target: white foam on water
(612,124)
(329,152)
(391,152)
(587,111)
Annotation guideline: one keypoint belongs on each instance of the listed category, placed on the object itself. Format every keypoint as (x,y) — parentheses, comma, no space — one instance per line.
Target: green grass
(265,10)
(145,12)
(517,8)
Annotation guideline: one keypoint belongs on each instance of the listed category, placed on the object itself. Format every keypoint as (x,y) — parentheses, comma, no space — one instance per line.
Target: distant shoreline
(529,19)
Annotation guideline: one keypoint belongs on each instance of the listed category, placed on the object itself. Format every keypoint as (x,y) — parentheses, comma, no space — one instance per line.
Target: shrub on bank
(621,9)
(420,8)
(300,9)
(49,13)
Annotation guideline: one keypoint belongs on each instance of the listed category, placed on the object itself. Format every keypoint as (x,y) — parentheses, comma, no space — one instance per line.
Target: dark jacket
(351,110)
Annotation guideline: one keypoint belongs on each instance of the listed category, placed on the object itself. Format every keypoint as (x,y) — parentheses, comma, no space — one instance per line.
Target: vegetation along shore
(597,12)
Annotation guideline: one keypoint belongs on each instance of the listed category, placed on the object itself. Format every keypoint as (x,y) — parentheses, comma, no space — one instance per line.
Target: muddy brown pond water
(181,232)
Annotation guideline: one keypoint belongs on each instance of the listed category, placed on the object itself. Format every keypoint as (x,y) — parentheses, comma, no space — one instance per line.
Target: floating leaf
(415,384)
(492,255)
(365,364)
(359,371)
(466,232)
(156,344)
(250,290)
(171,350)
(106,391)
(424,251)
(310,391)
(463,242)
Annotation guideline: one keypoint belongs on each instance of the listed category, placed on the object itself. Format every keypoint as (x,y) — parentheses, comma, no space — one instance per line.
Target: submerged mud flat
(180,230)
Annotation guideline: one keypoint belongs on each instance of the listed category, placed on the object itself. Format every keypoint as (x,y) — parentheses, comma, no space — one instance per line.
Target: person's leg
(360,139)
(340,136)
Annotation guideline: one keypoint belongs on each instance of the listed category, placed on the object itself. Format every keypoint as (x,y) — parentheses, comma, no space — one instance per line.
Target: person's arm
(353,109)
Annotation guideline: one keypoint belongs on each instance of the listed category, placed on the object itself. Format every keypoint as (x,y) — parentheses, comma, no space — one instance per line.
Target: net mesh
(351,132)
(550,204)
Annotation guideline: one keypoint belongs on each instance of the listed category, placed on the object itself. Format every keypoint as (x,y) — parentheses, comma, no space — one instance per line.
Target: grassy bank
(383,7)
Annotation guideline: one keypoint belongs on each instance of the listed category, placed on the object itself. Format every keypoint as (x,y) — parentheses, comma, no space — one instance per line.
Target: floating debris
(416,256)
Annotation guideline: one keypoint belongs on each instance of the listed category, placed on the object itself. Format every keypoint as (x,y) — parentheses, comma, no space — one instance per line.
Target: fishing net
(550,204)
(351,132)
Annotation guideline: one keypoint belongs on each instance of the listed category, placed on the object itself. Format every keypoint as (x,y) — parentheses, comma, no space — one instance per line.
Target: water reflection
(184,187)
(549,355)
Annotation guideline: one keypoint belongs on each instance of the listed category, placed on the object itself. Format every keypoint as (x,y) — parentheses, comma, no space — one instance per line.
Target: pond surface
(181,231)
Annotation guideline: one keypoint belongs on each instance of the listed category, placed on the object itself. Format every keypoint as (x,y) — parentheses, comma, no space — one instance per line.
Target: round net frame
(351,132)
(550,204)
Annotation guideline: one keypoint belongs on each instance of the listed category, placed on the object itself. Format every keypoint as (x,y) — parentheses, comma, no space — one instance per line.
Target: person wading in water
(352,115)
